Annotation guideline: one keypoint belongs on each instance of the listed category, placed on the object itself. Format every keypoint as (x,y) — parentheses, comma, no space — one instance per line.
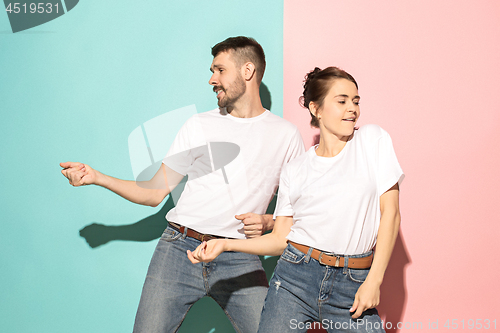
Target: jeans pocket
(170,235)
(292,255)
(358,275)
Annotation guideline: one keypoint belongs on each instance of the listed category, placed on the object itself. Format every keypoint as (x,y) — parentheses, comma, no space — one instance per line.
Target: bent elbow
(397,218)
(279,248)
(158,198)
(155,202)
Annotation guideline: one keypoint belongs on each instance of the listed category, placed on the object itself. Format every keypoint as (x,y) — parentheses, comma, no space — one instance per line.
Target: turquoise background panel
(73,89)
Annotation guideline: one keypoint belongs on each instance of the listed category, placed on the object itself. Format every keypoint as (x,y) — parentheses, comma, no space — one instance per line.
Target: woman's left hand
(367,297)
(207,251)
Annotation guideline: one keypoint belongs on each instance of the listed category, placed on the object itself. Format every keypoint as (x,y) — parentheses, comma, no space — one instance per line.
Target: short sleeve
(283,205)
(296,147)
(389,171)
(180,157)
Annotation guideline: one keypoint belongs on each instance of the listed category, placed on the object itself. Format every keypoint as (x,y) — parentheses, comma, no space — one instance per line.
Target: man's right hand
(148,193)
(79,174)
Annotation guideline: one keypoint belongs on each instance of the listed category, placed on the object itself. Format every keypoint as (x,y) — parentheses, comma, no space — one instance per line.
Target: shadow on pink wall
(393,291)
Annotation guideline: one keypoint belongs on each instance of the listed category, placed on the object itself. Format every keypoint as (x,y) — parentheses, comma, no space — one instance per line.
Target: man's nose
(213,80)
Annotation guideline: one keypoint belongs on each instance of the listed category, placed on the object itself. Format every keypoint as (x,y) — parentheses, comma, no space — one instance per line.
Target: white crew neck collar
(312,151)
(245,120)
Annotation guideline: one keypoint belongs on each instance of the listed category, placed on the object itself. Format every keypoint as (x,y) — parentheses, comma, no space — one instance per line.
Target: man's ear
(248,71)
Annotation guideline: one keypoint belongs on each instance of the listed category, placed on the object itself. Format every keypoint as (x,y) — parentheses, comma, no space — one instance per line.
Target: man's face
(226,79)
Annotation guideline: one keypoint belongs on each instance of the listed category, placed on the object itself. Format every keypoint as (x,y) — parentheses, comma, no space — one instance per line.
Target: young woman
(335,202)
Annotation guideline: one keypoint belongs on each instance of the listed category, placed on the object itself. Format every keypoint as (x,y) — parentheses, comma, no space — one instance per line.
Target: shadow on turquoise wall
(152,226)
(73,89)
(205,314)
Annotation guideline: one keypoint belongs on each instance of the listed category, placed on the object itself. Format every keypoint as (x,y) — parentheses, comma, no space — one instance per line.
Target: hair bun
(307,80)
(310,76)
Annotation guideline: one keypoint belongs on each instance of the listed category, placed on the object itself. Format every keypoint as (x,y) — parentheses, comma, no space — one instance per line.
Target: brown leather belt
(335,261)
(194,234)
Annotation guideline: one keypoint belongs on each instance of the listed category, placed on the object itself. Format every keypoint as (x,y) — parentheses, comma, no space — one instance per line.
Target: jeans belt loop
(184,234)
(308,255)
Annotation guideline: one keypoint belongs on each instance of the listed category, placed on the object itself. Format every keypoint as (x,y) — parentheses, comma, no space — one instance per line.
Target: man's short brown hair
(245,50)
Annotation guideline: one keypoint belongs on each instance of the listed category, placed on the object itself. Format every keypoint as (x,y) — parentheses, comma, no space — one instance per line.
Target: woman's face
(340,110)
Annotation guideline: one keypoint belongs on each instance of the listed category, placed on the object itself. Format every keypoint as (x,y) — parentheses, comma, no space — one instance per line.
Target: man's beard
(232,93)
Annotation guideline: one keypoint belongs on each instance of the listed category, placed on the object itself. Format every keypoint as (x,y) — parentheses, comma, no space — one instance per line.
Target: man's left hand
(254,225)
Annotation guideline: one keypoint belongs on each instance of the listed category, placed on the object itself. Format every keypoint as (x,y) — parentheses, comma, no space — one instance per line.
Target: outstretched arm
(368,295)
(270,244)
(149,193)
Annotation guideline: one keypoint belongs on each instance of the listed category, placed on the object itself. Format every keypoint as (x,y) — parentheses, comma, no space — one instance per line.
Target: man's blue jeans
(303,291)
(236,281)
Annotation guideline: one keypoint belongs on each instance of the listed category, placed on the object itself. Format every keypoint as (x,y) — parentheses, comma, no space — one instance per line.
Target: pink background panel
(428,73)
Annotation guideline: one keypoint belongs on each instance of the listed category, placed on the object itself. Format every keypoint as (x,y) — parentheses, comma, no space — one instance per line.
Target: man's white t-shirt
(335,201)
(233,167)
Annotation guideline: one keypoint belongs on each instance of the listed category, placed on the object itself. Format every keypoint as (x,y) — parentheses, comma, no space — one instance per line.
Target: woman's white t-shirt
(335,201)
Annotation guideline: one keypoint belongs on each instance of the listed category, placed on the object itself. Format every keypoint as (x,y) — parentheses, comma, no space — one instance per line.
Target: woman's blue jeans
(236,281)
(303,291)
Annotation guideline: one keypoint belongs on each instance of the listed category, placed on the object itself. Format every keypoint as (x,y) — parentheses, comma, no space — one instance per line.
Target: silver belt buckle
(319,258)
(337,261)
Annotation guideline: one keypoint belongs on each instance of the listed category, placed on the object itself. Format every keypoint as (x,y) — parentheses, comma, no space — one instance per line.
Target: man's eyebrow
(215,66)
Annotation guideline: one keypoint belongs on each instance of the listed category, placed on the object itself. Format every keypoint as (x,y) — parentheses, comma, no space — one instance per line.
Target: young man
(215,200)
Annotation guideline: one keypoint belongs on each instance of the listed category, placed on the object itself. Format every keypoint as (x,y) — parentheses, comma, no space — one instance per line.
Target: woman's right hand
(207,251)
